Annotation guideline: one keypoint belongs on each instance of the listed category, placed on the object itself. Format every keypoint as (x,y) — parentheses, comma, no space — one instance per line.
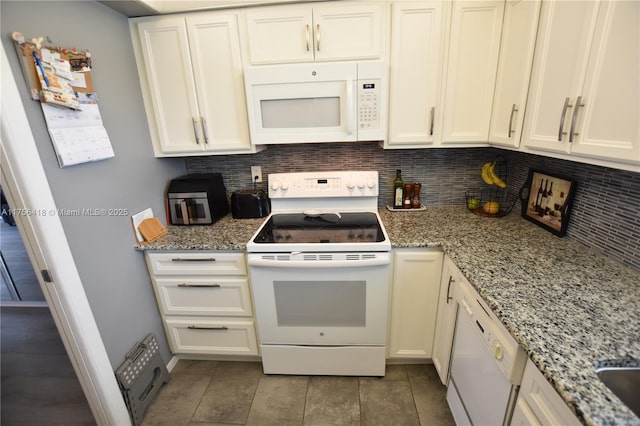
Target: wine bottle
(398,185)
(538,197)
(544,200)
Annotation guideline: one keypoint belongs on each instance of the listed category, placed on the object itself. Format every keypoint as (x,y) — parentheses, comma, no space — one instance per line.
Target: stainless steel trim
(574,118)
(510,131)
(318,37)
(562,117)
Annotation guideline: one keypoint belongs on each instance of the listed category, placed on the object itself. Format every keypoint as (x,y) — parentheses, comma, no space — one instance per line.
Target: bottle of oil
(398,194)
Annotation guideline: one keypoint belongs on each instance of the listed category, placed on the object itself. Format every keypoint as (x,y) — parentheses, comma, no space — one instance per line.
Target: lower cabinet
(446,319)
(205,302)
(538,402)
(414,302)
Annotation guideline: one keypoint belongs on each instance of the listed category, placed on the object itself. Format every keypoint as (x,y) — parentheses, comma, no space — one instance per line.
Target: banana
(486,175)
(496,180)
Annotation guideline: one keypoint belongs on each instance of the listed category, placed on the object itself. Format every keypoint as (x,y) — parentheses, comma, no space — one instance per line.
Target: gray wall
(114,275)
(605,211)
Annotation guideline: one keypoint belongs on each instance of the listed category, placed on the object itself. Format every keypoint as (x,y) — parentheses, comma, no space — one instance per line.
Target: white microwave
(319,102)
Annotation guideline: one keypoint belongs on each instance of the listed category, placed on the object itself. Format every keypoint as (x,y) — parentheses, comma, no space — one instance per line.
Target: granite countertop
(568,306)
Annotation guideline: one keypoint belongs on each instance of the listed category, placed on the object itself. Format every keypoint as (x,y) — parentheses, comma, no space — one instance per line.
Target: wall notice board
(60,78)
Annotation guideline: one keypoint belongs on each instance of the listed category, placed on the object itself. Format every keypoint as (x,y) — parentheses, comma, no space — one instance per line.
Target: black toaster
(250,203)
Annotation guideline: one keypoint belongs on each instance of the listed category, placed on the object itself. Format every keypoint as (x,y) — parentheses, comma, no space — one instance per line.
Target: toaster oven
(197,199)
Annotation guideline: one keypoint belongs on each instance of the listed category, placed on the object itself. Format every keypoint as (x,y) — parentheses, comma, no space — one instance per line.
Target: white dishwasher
(486,365)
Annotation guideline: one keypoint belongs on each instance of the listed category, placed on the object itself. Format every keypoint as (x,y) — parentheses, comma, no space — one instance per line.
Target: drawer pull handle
(199,285)
(197,327)
(204,259)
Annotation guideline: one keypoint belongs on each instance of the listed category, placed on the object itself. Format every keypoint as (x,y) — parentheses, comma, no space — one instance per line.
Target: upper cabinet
(190,68)
(303,33)
(583,96)
(417,50)
(470,72)
(514,70)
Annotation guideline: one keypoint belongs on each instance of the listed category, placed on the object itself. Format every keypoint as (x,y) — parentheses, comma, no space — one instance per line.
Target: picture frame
(547,199)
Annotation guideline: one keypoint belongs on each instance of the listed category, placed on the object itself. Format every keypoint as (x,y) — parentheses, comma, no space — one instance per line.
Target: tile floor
(207,393)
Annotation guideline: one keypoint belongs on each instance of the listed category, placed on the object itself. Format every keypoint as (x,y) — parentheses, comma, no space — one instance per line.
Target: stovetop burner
(353,227)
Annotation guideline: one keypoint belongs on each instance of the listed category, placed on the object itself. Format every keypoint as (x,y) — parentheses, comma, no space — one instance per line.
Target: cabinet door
(514,70)
(542,399)
(280,34)
(446,320)
(417,47)
(414,302)
(562,48)
(217,66)
(348,32)
(608,125)
(470,74)
(167,63)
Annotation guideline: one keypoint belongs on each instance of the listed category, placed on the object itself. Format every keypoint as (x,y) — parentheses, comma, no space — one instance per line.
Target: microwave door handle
(185,212)
(351,106)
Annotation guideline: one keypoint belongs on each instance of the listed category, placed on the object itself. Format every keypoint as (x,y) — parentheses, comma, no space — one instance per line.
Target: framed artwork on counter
(546,200)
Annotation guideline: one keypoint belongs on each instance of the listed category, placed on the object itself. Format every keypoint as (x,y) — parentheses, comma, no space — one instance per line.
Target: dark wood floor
(19,266)
(39,385)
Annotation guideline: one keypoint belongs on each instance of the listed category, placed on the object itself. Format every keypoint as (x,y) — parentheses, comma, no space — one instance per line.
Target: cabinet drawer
(196,263)
(204,296)
(211,336)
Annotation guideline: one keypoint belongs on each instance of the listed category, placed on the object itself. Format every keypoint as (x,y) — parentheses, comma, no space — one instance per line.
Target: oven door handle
(309,264)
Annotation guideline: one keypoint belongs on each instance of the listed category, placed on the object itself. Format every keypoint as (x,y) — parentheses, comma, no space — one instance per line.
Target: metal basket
(482,202)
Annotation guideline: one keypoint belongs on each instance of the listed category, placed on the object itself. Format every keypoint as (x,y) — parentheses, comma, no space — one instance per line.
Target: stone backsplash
(606,207)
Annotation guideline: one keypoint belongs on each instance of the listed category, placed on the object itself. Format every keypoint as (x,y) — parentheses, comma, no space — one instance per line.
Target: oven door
(327,299)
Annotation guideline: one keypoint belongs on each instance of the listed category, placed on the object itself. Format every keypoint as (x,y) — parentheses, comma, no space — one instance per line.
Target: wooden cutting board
(151,229)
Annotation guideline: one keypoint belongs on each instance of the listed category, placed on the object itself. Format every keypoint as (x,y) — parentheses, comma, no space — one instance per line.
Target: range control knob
(497,350)
(275,185)
(351,184)
(360,184)
(284,185)
(371,183)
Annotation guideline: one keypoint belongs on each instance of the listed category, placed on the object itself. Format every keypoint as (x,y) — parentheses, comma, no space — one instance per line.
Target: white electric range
(320,270)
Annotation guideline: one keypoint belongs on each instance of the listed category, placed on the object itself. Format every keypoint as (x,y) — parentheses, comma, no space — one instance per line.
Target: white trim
(26,185)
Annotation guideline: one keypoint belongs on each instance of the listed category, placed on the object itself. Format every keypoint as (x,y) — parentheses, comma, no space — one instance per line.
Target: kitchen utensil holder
(140,377)
(477,199)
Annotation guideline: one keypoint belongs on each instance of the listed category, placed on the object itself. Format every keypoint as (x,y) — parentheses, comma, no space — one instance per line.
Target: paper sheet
(78,136)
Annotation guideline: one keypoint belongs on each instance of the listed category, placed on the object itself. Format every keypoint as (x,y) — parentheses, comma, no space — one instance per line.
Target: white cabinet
(414,302)
(205,302)
(190,68)
(349,31)
(538,402)
(470,72)
(514,70)
(446,319)
(417,49)
(583,96)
